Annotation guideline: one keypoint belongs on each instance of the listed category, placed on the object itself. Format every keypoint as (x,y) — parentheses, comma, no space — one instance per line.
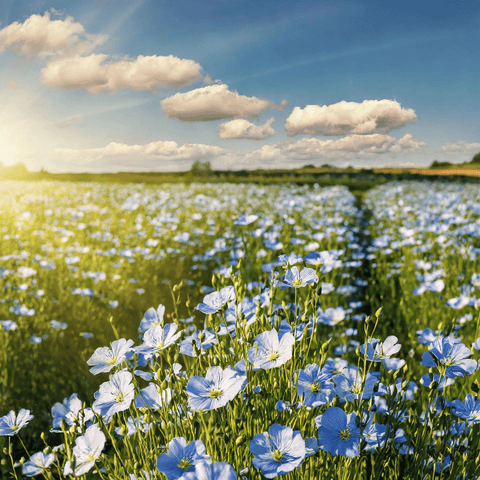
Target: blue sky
(116,85)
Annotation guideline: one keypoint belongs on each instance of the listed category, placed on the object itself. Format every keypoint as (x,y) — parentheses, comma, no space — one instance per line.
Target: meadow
(221,331)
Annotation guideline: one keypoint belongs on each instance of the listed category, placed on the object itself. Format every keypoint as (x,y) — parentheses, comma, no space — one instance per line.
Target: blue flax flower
(374,435)
(211,471)
(8,325)
(87,449)
(104,359)
(156,339)
(290,260)
(216,389)
(71,411)
(351,384)
(214,301)
(377,351)
(181,458)
(151,318)
(427,336)
(152,397)
(277,452)
(428,379)
(311,446)
(269,351)
(328,259)
(338,433)
(37,464)
(469,410)
(245,219)
(203,340)
(114,396)
(294,278)
(335,365)
(451,359)
(11,424)
(331,316)
(315,385)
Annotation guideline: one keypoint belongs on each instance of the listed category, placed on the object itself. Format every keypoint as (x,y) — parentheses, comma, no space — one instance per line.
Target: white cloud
(14,85)
(207,79)
(88,155)
(343,147)
(343,118)
(43,37)
(214,102)
(75,120)
(162,149)
(351,146)
(460,147)
(407,144)
(56,12)
(268,151)
(167,154)
(76,72)
(186,151)
(144,73)
(241,128)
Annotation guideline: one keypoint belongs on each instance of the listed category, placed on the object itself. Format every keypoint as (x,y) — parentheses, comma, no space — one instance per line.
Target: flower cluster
(270,373)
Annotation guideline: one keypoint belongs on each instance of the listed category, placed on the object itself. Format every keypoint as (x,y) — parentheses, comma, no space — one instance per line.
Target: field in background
(77,258)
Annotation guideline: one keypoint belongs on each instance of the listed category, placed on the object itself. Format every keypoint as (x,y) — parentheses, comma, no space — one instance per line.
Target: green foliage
(437,164)
(14,172)
(476,158)
(201,169)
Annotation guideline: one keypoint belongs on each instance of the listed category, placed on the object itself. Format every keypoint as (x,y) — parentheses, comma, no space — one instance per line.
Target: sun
(6,158)
(9,145)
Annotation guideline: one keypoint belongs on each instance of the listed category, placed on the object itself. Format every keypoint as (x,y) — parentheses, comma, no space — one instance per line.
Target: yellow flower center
(315,387)
(345,434)
(297,283)
(448,361)
(215,393)
(356,389)
(277,455)
(273,356)
(184,464)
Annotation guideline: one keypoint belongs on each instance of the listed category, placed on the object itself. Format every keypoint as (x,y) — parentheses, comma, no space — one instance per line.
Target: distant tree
(43,173)
(476,158)
(437,164)
(201,169)
(308,166)
(19,170)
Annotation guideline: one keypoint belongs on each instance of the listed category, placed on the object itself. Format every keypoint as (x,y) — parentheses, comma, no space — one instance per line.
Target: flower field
(239,331)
